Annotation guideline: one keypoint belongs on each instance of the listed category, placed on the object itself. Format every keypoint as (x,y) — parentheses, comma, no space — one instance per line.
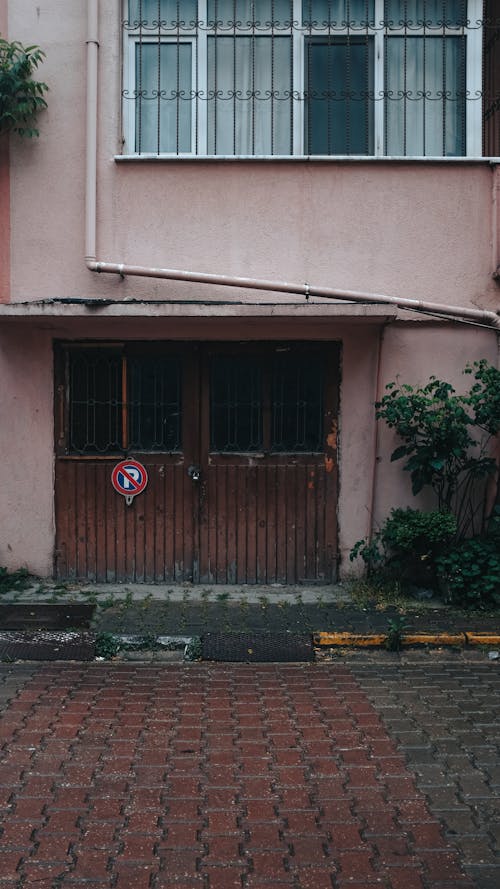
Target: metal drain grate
(47,646)
(256,647)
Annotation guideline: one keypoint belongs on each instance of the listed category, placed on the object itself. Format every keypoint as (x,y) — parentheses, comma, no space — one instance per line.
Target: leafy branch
(446,437)
(21,97)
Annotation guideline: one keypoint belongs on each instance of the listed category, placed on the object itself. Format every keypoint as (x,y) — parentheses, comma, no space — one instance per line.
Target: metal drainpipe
(376,434)
(495,221)
(480,316)
(91,135)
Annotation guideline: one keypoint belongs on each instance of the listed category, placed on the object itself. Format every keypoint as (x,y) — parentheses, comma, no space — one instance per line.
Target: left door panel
(114,401)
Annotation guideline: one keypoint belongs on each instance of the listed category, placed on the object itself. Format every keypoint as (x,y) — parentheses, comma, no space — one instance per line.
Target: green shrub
(470,572)
(407,546)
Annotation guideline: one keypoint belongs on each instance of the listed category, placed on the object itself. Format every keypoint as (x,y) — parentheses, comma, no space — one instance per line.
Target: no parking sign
(129,478)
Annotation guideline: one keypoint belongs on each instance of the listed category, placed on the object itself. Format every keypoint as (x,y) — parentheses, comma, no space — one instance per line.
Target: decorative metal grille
(298,403)
(492,80)
(309,77)
(154,404)
(274,406)
(95,402)
(235,404)
(119,403)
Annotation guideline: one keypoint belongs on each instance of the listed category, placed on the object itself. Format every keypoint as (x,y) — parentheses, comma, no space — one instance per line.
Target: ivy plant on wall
(21,97)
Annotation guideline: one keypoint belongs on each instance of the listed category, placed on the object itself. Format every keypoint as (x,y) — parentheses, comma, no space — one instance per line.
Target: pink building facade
(341,158)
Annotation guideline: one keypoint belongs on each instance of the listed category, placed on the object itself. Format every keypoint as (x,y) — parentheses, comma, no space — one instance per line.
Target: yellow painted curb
(357,639)
(368,640)
(433,639)
(483,638)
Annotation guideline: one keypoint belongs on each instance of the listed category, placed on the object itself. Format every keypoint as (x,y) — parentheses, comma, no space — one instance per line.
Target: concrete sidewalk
(162,619)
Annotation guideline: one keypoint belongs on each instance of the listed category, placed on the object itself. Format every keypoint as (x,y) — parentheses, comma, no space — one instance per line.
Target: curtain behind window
(425,105)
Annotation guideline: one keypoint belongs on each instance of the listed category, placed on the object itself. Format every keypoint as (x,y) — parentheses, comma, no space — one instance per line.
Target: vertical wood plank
(241,520)
(300,521)
(80,495)
(160,526)
(130,541)
(280,524)
(331,525)
(179,524)
(112,532)
(221,509)
(150,495)
(261,520)
(271,519)
(232,523)
(101,490)
(251,520)
(320,563)
(311,532)
(139,507)
(90,521)
(165,568)
(119,533)
(292,473)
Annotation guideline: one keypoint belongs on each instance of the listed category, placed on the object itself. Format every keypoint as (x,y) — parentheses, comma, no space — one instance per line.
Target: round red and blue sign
(129,478)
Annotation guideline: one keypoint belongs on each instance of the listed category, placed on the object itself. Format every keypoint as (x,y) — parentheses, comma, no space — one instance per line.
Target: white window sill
(317,158)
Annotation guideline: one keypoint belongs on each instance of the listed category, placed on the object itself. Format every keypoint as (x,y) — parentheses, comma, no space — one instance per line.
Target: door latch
(194,473)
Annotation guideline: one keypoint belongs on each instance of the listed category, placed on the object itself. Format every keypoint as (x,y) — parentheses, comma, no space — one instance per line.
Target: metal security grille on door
(237,443)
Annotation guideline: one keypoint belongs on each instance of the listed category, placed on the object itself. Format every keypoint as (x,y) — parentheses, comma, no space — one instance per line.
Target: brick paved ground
(218,776)
(444,714)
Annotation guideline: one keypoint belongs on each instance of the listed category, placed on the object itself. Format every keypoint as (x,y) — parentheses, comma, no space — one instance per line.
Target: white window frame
(298,36)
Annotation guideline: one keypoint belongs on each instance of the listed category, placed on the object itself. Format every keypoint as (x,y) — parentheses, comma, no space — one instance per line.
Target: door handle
(194,473)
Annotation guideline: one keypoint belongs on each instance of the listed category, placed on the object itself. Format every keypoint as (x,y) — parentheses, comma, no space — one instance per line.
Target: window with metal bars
(119,402)
(303,77)
(272,402)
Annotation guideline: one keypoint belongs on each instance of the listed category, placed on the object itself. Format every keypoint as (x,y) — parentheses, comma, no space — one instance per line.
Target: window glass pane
(235,404)
(321,13)
(169,13)
(246,14)
(164,102)
(339,112)
(94,402)
(249,90)
(154,407)
(435,13)
(297,403)
(425,105)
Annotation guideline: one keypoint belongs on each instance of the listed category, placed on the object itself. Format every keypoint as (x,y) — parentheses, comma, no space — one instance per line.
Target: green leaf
(398,453)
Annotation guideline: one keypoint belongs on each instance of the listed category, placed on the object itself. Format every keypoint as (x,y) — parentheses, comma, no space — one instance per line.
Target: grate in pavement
(46,646)
(257,647)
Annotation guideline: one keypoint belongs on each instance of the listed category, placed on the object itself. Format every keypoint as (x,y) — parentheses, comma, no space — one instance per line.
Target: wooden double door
(240,445)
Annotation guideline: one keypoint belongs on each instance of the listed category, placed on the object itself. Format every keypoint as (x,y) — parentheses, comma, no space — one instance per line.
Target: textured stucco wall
(412,229)
(4,189)
(26,445)
(421,230)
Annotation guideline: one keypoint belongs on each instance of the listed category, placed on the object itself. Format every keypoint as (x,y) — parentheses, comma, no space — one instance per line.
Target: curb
(377,640)
(81,646)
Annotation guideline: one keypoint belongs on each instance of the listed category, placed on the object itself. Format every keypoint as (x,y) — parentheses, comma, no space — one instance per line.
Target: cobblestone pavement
(444,714)
(241,776)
